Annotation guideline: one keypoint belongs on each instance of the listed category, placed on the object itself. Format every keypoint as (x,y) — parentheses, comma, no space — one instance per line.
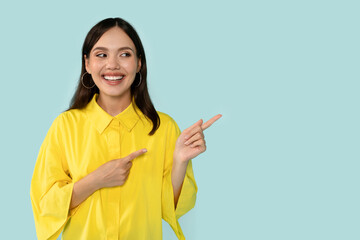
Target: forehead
(114,38)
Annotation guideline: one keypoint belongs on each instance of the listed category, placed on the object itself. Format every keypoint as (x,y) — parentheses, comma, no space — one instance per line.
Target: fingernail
(144,150)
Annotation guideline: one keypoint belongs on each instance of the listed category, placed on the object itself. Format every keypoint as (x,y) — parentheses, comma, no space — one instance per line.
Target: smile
(113,78)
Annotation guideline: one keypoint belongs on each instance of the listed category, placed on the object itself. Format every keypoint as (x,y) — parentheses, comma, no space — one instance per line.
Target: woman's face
(113,64)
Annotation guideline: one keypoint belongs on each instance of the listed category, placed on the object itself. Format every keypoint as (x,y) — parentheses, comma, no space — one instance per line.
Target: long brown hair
(139,93)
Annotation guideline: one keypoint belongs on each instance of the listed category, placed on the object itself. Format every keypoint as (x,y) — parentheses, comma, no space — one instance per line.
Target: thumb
(198,123)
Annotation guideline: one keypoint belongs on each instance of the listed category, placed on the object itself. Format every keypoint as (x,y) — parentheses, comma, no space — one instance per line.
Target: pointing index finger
(211,121)
(135,154)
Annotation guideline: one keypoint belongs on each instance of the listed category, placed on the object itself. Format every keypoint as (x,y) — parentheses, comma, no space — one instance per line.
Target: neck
(113,105)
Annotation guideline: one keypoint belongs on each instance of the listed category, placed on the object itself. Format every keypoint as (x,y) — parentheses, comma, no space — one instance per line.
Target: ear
(87,64)
(139,64)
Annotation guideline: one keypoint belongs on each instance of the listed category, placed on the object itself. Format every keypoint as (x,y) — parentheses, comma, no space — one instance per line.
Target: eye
(125,54)
(101,55)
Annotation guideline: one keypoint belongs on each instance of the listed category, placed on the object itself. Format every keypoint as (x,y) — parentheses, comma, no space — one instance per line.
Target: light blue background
(282,163)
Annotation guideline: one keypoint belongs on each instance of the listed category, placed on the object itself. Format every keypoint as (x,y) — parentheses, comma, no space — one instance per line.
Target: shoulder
(166,119)
(72,115)
(167,123)
(68,118)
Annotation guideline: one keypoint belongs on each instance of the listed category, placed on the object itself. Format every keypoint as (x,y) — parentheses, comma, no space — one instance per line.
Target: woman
(111,166)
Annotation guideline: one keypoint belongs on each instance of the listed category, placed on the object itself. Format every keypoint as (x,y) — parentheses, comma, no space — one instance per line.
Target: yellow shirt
(77,143)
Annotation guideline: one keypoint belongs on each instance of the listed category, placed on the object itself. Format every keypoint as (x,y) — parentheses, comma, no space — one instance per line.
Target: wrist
(94,180)
(177,158)
(178,162)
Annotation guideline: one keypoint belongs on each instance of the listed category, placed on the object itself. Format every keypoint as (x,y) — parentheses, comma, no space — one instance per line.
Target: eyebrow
(120,49)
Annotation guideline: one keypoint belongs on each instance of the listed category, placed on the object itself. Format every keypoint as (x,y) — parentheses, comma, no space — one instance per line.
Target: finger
(198,123)
(195,137)
(135,154)
(199,143)
(211,121)
(193,129)
(128,165)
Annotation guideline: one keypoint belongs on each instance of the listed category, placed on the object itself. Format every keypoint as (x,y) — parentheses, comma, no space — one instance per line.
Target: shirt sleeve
(188,192)
(51,186)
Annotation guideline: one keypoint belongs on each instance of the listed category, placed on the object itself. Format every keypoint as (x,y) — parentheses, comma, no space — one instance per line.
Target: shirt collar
(128,118)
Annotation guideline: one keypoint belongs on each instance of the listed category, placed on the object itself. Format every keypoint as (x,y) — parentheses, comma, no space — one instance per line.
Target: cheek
(130,65)
(95,67)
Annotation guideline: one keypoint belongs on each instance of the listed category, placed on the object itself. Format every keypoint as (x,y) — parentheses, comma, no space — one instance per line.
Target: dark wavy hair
(139,93)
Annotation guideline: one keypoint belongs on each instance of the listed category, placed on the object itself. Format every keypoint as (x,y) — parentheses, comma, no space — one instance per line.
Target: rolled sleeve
(51,187)
(188,192)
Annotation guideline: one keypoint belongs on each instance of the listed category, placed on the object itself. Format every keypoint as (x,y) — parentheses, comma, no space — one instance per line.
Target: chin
(117,94)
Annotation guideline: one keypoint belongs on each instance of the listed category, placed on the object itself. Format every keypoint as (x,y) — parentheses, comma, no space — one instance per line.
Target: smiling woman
(111,166)
(113,65)
(99,43)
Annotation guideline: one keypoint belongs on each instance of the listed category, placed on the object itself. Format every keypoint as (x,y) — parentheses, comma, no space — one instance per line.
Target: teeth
(113,78)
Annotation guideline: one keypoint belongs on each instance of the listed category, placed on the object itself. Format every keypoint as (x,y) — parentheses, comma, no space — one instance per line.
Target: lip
(113,74)
(112,82)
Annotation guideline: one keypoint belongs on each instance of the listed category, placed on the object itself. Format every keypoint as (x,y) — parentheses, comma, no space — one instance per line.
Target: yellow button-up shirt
(77,143)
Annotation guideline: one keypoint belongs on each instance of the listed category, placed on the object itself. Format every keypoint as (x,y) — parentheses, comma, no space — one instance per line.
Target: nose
(113,63)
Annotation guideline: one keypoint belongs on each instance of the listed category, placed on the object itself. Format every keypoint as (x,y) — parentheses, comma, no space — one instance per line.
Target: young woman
(111,167)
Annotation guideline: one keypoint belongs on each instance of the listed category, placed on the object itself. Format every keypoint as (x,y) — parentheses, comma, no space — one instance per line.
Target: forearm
(177,178)
(83,189)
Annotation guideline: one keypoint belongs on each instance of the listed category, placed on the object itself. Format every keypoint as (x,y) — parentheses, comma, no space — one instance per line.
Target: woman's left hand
(191,141)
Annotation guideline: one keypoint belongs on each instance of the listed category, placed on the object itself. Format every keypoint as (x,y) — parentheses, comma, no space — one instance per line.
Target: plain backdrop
(282,163)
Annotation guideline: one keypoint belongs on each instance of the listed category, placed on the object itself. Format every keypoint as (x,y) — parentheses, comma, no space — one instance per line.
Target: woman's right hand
(115,172)
(110,174)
